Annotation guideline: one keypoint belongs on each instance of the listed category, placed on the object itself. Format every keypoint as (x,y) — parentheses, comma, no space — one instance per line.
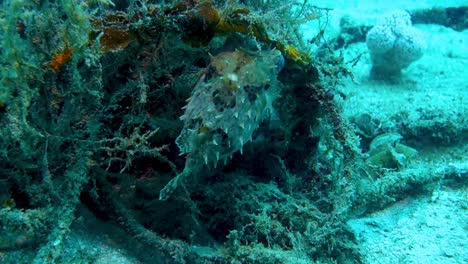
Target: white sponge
(394,44)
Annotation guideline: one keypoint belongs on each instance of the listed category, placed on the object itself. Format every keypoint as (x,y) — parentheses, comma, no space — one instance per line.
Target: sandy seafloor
(430,101)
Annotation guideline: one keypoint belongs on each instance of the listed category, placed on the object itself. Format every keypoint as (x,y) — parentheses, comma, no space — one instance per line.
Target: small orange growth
(61,58)
(207,13)
(293,54)
(113,31)
(115,39)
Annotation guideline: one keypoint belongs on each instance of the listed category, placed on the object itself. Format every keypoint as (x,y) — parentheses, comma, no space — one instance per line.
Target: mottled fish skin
(226,107)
